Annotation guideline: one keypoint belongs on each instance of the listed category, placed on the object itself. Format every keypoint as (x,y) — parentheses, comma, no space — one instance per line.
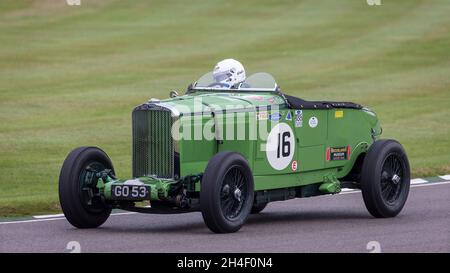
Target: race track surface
(337,223)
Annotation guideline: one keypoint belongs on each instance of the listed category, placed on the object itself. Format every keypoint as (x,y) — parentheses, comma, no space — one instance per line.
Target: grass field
(70,76)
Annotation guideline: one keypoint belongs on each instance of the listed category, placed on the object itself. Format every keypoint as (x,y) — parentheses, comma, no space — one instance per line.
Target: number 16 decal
(280,146)
(284,146)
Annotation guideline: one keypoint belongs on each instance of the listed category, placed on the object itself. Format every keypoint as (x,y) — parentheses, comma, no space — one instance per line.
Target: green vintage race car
(229,152)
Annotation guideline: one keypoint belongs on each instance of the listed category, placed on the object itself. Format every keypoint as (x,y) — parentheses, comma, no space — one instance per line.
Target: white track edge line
(430,184)
(445,177)
(412,186)
(43,219)
(48,216)
(32,221)
(418,181)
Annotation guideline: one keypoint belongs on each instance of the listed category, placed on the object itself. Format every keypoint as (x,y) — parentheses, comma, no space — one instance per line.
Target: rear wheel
(79,197)
(226,194)
(385,178)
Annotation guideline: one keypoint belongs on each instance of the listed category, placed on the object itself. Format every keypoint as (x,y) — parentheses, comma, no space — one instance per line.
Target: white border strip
(445,177)
(347,191)
(54,217)
(431,184)
(418,181)
(48,216)
(32,221)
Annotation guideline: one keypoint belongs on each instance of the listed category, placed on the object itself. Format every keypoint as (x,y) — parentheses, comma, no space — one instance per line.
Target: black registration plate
(130,192)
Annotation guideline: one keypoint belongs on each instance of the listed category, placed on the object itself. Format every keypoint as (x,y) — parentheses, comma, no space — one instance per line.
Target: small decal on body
(289,115)
(338,114)
(294,165)
(275,116)
(262,115)
(338,153)
(313,122)
(298,118)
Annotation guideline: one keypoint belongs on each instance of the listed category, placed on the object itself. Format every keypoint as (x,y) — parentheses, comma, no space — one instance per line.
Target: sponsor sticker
(338,114)
(263,115)
(289,115)
(313,122)
(275,116)
(338,153)
(298,118)
(294,165)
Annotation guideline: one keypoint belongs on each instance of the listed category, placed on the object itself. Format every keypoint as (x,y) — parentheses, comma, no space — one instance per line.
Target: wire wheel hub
(391,178)
(234,193)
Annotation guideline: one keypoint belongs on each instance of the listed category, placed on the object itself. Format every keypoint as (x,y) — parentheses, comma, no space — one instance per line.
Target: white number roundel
(280,146)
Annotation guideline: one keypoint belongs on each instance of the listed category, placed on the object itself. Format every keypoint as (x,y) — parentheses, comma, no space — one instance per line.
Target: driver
(228,73)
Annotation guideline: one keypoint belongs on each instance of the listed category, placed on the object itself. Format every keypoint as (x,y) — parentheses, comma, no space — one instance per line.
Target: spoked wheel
(234,192)
(385,178)
(226,194)
(392,175)
(79,196)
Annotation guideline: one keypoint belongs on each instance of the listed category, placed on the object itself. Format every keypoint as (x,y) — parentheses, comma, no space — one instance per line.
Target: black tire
(226,194)
(258,208)
(385,178)
(72,198)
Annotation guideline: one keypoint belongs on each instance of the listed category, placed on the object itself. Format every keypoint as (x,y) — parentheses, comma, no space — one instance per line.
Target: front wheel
(226,193)
(79,196)
(385,178)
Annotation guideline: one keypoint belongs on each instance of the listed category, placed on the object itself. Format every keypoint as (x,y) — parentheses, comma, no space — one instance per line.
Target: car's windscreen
(256,82)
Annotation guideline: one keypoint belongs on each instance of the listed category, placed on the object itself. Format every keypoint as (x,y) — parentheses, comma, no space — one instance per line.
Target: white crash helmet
(228,73)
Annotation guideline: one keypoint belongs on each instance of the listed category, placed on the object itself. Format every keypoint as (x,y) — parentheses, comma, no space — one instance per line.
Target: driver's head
(229,72)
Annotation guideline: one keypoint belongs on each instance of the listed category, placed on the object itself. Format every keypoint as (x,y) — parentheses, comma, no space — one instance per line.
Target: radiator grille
(153,147)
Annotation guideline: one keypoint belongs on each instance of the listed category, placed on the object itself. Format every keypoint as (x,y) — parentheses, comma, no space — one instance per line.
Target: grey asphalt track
(337,223)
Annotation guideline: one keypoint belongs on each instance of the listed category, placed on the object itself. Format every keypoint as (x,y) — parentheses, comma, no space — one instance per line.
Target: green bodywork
(352,130)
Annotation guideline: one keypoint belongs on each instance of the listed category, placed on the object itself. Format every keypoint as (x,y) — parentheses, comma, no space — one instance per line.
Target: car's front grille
(153,147)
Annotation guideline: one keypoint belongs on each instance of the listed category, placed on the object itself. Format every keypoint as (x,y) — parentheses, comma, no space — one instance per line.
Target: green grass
(70,76)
